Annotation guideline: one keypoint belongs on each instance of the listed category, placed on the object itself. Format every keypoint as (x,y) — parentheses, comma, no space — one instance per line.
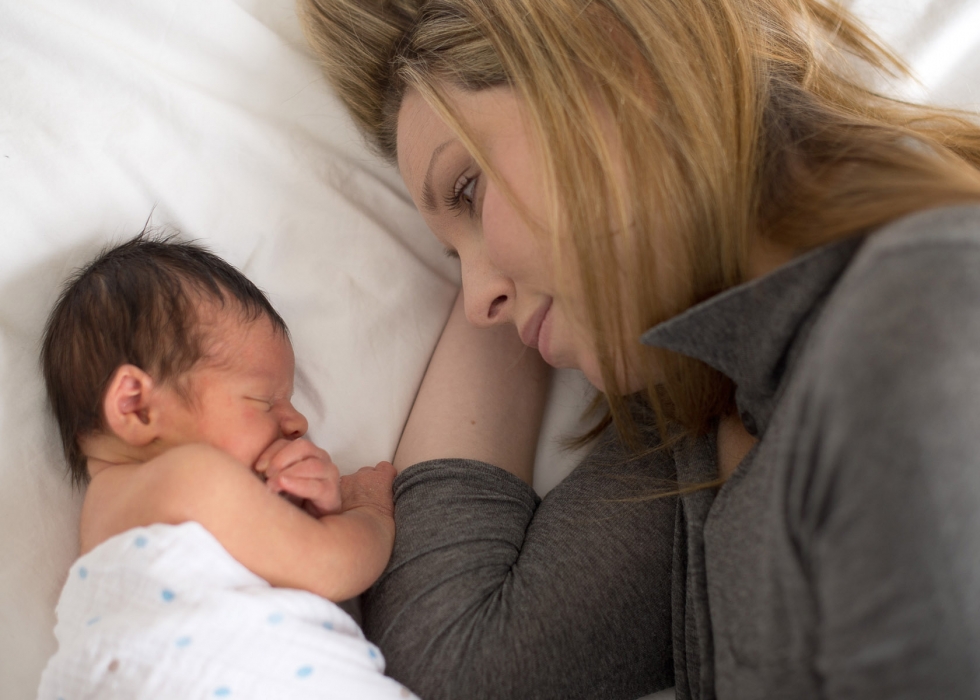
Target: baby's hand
(369,487)
(303,472)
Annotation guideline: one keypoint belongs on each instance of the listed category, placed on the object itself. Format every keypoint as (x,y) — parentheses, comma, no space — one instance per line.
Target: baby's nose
(294,424)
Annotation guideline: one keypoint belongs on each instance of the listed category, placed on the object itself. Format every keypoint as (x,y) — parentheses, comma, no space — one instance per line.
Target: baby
(213,534)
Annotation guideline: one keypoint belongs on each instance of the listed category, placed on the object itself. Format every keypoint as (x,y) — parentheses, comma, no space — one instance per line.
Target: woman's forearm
(482,398)
(491,595)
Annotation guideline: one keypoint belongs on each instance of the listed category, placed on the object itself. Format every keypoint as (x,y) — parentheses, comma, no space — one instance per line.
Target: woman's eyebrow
(428,196)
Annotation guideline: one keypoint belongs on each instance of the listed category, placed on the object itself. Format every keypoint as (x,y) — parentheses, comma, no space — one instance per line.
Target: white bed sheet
(212,115)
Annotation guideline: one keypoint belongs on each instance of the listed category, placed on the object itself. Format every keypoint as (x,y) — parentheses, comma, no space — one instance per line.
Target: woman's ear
(127,406)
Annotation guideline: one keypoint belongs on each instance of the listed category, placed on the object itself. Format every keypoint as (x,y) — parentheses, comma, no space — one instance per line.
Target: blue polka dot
(372,653)
(328,625)
(167,595)
(275,618)
(222,692)
(140,541)
(304,671)
(183,641)
(93,621)
(82,572)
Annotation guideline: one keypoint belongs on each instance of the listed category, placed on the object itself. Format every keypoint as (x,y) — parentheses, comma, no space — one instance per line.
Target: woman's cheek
(509,242)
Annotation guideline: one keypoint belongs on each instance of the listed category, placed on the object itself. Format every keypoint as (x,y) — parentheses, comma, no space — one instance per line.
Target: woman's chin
(592,373)
(624,384)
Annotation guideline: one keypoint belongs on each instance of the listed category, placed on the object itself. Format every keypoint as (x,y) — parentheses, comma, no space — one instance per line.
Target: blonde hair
(738,120)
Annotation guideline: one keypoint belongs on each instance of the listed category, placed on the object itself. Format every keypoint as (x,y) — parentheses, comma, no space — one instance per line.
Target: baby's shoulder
(172,488)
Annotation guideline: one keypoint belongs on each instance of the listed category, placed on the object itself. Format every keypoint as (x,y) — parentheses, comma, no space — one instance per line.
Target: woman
(768,270)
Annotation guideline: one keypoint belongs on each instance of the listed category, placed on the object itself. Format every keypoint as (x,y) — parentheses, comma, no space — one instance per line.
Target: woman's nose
(487,296)
(293,424)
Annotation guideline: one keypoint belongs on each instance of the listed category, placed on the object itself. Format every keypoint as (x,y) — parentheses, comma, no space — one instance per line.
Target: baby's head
(158,343)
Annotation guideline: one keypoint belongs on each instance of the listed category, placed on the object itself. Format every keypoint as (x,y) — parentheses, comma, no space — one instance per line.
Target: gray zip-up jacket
(840,560)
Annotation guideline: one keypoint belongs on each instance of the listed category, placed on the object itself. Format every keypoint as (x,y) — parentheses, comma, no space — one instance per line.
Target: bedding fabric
(212,116)
(165,612)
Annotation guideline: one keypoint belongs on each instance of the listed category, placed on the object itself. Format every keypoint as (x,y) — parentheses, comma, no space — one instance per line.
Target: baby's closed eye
(269,404)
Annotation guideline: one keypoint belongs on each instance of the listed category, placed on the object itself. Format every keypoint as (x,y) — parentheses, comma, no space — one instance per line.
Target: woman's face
(508,269)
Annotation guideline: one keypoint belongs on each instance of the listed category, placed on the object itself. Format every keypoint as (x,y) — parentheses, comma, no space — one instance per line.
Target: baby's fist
(304,473)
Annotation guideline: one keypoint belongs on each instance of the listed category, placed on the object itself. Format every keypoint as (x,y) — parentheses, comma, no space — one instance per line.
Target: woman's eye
(468,193)
(464,194)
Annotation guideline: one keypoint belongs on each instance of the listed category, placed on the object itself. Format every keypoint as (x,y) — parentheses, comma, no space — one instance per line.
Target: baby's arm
(336,555)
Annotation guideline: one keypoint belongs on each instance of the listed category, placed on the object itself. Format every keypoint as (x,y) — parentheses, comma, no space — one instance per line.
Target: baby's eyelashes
(268,403)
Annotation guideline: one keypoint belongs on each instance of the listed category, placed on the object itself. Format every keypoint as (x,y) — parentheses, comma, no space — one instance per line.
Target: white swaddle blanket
(165,612)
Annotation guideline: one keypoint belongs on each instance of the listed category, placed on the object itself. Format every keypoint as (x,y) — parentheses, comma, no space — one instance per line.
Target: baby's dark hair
(135,303)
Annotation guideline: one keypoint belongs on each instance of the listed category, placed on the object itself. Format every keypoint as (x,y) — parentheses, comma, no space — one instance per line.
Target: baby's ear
(127,406)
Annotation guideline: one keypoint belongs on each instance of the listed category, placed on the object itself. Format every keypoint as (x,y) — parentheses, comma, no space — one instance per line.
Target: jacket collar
(751,333)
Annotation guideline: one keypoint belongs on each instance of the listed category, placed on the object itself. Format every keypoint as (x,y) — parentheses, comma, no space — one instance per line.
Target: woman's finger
(369,486)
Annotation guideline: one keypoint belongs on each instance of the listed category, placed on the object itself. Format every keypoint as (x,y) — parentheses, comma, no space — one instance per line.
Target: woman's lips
(532,329)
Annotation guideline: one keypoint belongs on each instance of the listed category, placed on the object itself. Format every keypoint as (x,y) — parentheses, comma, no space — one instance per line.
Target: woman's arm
(482,398)
(493,593)
(888,457)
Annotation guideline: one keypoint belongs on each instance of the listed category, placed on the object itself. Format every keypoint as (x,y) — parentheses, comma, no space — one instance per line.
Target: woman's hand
(304,473)
(369,487)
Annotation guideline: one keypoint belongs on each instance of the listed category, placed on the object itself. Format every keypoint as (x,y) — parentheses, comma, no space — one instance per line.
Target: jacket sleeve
(493,593)
(891,524)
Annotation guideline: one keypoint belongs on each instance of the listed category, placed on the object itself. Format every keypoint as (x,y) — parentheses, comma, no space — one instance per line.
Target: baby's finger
(293,452)
(305,487)
(322,497)
(264,461)
(324,494)
(312,468)
(309,468)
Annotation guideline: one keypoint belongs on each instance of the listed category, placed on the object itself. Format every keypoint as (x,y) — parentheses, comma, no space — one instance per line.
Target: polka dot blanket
(165,612)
